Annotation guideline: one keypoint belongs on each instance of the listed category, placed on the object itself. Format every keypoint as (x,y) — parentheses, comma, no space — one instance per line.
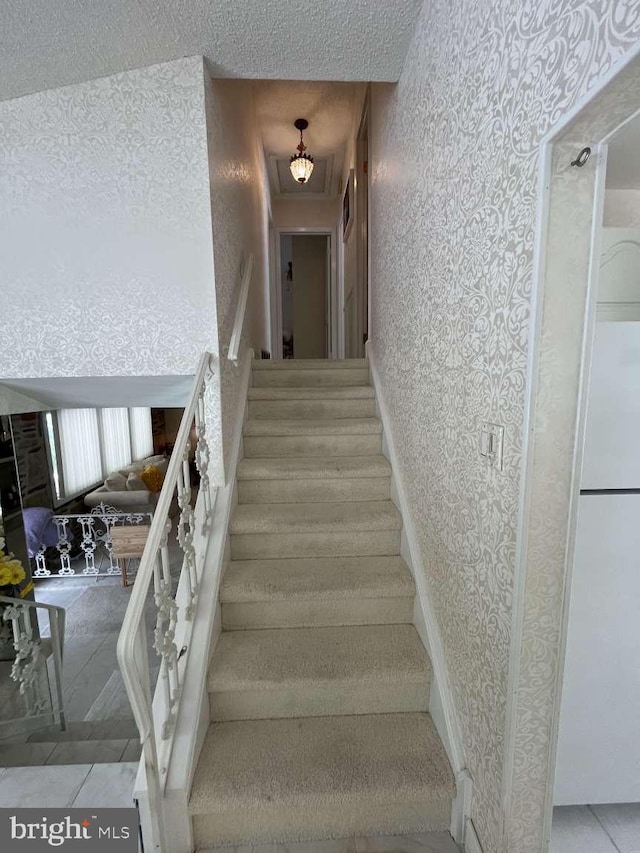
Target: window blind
(116,441)
(79,449)
(141,432)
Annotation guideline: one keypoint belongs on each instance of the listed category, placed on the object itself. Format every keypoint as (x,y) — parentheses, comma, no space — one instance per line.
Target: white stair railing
(241,308)
(29,669)
(175,596)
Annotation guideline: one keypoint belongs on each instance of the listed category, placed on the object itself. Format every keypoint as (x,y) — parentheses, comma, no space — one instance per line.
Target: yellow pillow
(152,478)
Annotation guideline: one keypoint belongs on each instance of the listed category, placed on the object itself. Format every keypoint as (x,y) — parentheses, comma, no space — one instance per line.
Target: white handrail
(236,334)
(155,711)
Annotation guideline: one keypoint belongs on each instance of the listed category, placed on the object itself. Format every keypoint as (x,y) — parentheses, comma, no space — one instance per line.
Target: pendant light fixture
(301,163)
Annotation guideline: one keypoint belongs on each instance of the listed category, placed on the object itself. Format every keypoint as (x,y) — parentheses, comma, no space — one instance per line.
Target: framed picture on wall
(347,207)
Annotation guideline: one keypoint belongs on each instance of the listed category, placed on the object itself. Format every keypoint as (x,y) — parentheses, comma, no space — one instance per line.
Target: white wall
(240,220)
(622,208)
(455,154)
(599,737)
(105,237)
(349,247)
(321,213)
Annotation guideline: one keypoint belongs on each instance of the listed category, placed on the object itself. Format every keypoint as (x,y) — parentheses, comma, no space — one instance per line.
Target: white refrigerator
(598,757)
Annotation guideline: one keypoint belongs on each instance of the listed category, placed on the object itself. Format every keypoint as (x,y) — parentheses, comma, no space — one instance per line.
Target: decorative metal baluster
(41,564)
(109,518)
(164,635)
(186,530)
(174,675)
(63,545)
(159,634)
(203,456)
(28,663)
(88,545)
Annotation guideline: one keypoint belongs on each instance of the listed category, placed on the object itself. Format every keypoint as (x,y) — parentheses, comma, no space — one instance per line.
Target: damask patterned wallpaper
(105,236)
(455,149)
(240,221)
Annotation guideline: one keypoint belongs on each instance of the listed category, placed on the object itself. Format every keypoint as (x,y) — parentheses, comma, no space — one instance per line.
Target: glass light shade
(301,168)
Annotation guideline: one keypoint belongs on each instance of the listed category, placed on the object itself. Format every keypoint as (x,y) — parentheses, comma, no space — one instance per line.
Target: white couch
(128,493)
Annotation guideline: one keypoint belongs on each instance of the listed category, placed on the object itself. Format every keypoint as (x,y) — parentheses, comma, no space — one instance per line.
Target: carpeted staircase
(319,684)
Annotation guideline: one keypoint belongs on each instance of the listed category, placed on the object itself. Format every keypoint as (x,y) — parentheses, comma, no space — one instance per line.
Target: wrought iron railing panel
(84,543)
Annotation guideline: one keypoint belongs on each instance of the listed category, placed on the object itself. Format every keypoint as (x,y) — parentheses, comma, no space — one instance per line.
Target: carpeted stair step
(344,529)
(314,479)
(310,377)
(317,672)
(331,392)
(313,437)
(273,409)
(268,781)
(304,364)
(316,593)
(312,426)
(315,372)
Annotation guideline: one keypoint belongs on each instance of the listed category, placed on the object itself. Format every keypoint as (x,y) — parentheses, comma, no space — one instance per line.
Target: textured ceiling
(623,159)
(69,392)
(45,44)
(332,110)
(320,181)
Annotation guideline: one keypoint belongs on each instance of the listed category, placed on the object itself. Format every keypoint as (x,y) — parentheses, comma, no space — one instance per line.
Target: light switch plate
(492,444)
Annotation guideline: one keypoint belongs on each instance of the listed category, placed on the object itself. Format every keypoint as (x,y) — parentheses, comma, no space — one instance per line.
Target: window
(116,439)
(86,445)
(79,449)
(141,433)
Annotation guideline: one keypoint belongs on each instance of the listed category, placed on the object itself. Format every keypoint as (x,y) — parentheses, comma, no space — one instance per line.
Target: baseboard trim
(461,808)
(441,704)
(471,842)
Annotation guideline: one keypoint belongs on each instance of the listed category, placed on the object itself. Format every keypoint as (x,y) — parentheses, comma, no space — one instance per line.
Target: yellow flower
(11,571)
(16,572)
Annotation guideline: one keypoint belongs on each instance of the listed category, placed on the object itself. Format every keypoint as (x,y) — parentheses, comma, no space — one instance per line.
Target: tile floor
(432,842)
(596,829)
(77,785)
(92,685)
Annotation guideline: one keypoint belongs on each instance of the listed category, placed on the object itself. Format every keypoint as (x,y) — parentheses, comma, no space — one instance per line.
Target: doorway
(355,230)
(304,279)
(362,213)
(568,258)
(598,755)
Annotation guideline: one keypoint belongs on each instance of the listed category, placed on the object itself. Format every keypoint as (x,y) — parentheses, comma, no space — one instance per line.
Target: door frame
(276,286)
(562,323)
(363,280)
